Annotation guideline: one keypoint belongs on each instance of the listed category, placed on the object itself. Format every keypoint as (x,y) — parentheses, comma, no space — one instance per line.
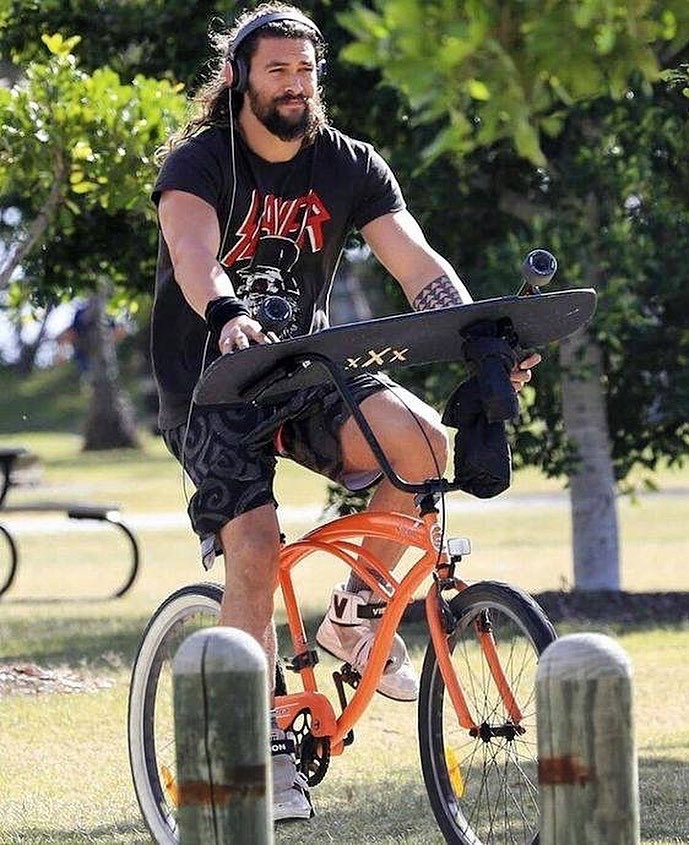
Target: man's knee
(416,444)
(426,445)
(438,440)
(409,431)
(251,546)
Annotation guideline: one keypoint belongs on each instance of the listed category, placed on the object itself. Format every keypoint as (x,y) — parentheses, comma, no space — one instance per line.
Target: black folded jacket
(478,409)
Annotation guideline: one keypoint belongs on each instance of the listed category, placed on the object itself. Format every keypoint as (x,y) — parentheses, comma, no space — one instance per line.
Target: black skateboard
(405,340)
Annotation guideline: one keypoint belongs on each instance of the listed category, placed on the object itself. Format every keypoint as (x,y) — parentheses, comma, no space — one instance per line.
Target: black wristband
(221,310)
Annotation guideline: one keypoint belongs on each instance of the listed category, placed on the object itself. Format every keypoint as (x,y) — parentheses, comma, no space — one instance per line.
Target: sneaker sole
(292,817)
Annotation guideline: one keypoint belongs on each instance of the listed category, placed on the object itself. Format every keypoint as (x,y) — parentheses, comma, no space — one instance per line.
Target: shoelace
(301,782)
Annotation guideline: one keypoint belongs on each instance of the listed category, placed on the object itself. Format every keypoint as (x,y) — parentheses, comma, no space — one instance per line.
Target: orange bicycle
(476,709)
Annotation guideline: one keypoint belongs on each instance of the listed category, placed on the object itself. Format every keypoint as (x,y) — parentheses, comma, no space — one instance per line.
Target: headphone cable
(233,169)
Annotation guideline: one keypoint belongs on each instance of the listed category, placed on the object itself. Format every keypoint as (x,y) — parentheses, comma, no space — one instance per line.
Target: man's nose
(295,84)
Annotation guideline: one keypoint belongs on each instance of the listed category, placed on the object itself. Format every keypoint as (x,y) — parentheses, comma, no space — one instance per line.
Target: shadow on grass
(400,811)
(350,816)
(616,611)
(641,610)
(664,799)
(115,834)
(72,640)
(77,638)
(396,810)
(392,810)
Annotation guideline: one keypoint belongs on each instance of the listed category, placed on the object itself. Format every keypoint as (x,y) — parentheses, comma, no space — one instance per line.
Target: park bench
(20,467)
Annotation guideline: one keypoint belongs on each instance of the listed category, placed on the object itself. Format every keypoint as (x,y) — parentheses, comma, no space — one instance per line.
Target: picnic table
(17,465)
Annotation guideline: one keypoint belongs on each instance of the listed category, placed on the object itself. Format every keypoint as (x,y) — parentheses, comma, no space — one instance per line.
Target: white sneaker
(291,796)
(348,631)
(293,802)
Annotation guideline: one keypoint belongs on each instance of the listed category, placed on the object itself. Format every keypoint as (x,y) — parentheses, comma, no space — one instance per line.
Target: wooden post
(588,775)
(221,735)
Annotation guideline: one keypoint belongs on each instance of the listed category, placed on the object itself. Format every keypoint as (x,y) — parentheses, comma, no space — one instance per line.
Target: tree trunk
(28,351)
(592,487)
(110,420)
(19,249)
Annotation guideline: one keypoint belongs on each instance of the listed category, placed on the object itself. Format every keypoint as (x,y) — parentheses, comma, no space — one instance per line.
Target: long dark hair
(210,105)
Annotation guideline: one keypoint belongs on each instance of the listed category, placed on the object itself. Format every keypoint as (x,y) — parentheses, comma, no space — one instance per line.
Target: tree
(125,36)
(77,146)
(569,88)
(152,38)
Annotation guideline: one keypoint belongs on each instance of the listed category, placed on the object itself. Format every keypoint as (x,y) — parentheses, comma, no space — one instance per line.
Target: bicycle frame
(336,538)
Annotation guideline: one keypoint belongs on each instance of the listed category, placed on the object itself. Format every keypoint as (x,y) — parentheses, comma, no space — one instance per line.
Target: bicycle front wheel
(483,784)
(151,729)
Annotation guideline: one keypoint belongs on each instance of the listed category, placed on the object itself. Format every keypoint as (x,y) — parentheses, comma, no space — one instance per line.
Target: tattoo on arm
(440,293)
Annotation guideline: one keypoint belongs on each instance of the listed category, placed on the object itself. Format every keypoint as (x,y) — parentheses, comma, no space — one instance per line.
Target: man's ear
(229,75)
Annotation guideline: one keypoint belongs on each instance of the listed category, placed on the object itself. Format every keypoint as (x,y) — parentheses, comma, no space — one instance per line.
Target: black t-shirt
(290,221)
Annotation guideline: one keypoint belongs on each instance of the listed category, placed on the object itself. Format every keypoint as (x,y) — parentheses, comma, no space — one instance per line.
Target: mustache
(291,98)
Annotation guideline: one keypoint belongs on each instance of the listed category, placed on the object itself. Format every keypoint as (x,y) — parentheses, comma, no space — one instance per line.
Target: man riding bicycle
(256,197)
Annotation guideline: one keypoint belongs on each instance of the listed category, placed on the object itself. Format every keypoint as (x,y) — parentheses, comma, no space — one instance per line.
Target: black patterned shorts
(229,451)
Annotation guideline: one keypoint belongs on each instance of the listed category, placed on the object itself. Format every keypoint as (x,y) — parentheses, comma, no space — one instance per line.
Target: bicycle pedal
(339,680)
(350,675)
(301,661)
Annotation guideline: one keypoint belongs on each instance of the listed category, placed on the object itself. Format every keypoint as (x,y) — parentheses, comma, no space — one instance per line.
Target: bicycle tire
(150,723)
(483,789)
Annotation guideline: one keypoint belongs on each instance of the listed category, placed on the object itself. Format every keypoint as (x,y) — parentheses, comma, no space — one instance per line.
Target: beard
(303,125)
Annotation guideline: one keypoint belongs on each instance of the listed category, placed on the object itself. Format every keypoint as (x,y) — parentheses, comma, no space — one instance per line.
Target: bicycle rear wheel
(151,730)
(483,788)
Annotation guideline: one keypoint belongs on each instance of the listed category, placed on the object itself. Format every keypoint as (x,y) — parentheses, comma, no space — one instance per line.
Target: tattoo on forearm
(440,293)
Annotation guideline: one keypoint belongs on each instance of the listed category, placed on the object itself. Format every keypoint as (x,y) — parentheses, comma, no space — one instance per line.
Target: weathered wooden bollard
(221,735)
(588,774)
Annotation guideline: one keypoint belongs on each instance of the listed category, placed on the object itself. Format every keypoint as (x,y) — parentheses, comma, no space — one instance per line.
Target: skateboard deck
(404,340)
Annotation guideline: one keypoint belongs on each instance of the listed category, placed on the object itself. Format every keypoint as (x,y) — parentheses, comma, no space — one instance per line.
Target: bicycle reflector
(458,546)
(454,773)
(170,785)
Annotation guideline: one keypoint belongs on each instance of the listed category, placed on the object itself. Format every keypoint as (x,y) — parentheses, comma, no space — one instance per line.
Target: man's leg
(233,501)
(251,547)
(415,444)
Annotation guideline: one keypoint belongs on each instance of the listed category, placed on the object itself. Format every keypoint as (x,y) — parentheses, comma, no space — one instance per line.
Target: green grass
(49,400)
(64,774)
